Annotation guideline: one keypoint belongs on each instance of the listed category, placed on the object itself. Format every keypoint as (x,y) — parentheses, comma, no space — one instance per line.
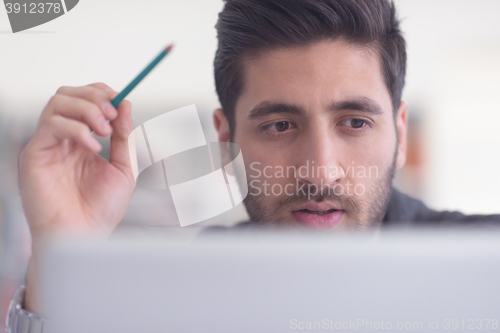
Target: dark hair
(246,27)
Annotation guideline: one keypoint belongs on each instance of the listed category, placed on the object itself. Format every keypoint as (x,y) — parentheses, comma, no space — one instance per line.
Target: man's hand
(65,186)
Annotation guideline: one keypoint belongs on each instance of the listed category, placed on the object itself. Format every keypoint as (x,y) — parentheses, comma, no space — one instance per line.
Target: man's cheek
(254,187)
(359,178)
(268,180)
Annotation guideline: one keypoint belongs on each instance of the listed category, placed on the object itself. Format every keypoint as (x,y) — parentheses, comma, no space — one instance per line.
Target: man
(311,92)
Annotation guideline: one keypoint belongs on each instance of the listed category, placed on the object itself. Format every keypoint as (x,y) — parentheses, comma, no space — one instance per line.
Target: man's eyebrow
(362,104)
(267,108)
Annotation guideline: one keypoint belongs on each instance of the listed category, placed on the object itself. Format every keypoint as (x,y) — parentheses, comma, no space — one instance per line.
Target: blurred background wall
(453,84)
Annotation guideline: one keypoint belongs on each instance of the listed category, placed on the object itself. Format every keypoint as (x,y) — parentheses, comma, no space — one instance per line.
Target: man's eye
(281,126)
(355,123)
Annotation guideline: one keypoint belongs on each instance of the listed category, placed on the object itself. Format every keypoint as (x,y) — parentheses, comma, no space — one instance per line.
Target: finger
(98,96)
(56,129)
(109,91)
(122,127)
(78,109)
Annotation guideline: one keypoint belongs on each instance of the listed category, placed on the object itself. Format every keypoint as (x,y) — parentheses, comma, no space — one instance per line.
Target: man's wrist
(31,299)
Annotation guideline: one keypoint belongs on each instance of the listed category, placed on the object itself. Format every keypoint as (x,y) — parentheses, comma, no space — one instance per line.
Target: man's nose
(320,158)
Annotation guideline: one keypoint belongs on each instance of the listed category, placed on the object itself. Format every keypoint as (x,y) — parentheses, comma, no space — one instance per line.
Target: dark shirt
(404,210)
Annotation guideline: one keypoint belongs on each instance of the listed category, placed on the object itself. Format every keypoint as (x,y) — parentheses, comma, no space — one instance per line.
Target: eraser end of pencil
(169,48)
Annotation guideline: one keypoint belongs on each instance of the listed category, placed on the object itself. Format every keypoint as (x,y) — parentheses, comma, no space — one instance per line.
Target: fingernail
(104,125)
(109,109)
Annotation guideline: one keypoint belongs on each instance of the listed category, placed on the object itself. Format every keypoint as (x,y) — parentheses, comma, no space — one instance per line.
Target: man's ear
(221,125)
(401,128)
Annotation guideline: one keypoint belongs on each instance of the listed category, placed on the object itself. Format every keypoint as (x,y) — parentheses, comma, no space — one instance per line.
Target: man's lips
(318,206)
(323,215)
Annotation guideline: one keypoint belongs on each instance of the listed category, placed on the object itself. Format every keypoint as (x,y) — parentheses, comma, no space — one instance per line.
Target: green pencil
(119,98)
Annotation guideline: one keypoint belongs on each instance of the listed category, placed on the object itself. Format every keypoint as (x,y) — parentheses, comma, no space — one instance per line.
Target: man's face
(316,128)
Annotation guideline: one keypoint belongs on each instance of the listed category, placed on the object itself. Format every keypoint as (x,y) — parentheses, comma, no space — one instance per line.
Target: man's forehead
(329,70)
(339,51)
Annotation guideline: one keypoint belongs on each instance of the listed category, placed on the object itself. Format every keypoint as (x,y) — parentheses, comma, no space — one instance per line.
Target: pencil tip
(169,48)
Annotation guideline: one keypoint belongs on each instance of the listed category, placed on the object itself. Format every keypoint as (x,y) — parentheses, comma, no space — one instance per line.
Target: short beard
(381,193)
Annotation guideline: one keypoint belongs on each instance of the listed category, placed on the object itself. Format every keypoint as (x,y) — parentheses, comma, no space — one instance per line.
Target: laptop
(424,281)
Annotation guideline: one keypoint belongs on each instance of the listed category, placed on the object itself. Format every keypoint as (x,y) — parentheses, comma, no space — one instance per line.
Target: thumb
(122,127)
